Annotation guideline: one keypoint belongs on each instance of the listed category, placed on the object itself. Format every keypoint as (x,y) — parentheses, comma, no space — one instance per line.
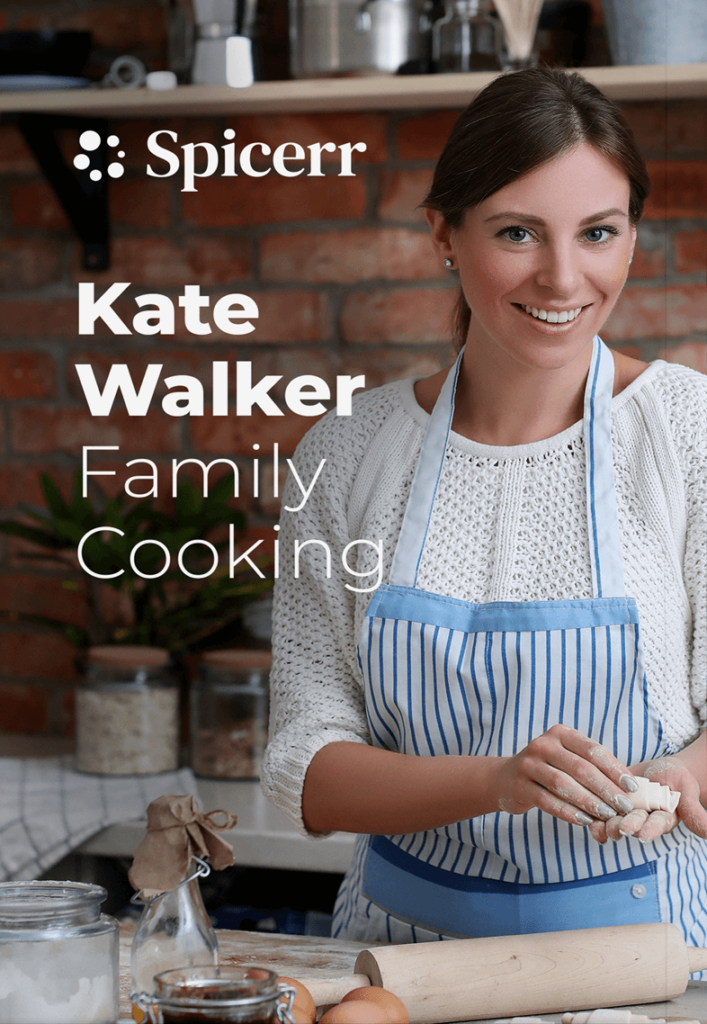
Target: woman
(480,719)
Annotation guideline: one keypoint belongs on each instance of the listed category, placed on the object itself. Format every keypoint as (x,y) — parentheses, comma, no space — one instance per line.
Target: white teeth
(552,315)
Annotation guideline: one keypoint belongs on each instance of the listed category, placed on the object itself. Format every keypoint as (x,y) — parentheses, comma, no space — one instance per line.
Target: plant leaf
(52,495)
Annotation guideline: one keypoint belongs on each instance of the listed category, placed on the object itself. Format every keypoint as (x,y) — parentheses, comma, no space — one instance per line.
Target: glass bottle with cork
(181,845)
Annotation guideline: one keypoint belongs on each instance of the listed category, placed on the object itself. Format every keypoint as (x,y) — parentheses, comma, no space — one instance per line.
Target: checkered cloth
(47,809)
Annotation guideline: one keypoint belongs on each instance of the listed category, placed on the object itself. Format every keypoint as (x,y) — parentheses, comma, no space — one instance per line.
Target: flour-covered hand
(569,776)
(674,773)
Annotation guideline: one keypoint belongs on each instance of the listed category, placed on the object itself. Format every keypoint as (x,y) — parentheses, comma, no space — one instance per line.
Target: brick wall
(341,269)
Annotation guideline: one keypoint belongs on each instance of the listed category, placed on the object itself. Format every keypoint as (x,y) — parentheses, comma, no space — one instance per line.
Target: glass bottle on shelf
(467,37)
(180,38)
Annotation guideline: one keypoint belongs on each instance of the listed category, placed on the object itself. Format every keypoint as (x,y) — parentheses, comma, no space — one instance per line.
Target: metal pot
(656,31)
(353,37)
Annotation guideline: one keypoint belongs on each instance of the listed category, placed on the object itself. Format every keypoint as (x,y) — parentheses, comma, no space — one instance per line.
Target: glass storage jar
(218,996)
(229,714)
(58,954)
(467,37)
(127,712)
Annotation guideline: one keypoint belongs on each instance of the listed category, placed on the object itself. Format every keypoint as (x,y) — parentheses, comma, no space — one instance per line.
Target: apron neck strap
(602,516)
(413,532)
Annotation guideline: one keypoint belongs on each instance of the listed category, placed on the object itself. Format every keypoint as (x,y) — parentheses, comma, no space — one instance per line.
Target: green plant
(170,610)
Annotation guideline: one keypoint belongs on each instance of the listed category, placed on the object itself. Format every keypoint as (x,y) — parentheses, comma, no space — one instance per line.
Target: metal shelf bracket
(84,200)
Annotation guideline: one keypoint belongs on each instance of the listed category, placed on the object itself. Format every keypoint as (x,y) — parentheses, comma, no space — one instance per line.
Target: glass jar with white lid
(58,954)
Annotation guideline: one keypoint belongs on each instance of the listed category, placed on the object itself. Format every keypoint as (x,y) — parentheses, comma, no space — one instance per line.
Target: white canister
(58,954)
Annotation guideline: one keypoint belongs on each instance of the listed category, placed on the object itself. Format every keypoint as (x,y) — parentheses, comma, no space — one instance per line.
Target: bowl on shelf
(63,54)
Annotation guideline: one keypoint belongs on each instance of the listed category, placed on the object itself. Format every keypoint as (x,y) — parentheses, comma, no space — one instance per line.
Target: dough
(651,796)
(612,1016)
(615,1016)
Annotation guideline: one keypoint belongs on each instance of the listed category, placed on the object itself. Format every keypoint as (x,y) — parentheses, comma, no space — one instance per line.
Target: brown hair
(519,121)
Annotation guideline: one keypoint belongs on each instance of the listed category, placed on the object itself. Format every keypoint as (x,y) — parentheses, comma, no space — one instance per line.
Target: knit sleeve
(685,395)
(315,686)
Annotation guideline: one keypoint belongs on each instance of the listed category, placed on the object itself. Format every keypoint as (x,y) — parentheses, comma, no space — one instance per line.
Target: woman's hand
(569,776)
(674,773)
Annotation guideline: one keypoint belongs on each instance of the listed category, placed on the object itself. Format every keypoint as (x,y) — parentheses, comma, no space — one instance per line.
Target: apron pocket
(468,906)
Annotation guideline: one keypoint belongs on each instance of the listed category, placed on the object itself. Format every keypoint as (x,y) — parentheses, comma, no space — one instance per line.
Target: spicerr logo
(89,142)
(255,160)
(203,160)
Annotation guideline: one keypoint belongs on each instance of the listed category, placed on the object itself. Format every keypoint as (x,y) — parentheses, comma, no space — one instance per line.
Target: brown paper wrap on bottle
(176,831)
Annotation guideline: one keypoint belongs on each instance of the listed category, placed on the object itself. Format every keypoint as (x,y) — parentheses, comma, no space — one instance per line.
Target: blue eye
(599,234)
(513,234)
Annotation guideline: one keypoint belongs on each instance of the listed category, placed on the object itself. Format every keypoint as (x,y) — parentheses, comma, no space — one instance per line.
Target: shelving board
(395,92)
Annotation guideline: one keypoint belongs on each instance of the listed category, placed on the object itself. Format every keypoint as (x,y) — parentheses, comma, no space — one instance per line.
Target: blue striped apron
(446,676)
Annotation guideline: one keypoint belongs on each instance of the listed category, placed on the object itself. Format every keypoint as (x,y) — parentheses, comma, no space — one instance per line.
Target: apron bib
(446,676)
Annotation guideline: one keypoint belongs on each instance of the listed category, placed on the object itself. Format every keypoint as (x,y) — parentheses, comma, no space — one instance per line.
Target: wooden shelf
(642,82)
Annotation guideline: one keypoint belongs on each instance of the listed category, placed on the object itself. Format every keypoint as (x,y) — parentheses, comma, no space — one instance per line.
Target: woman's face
(543,260)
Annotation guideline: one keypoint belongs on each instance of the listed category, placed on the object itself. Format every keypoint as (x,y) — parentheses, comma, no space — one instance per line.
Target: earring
(630,260)
(447,263)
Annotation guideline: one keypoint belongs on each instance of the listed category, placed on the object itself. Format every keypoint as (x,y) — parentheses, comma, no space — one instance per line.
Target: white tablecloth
(47,809)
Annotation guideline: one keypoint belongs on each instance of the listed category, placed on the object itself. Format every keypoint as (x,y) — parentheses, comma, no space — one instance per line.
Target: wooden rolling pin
(514,975)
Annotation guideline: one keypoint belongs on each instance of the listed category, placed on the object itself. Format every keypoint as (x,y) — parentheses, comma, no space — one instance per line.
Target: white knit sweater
(509,523)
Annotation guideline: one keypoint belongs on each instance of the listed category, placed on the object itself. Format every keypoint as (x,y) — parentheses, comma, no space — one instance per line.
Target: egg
(383,999)
(304,1010)
(355,1011)
(300,1016)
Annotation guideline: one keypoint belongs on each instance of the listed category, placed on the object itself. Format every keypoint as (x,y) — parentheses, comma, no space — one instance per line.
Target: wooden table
(291,955)
(304,956)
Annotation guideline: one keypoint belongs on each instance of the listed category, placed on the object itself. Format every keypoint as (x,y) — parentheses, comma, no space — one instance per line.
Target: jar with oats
(229,714)
(127,712)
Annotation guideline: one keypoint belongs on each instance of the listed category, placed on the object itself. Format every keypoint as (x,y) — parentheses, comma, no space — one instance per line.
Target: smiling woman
(513,128)
(540,220)
(541,264)
(556,259)
(482,719)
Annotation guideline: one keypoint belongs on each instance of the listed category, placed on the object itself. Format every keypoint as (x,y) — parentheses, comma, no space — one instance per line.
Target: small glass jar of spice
(229,714)
(127,712)
(221,995)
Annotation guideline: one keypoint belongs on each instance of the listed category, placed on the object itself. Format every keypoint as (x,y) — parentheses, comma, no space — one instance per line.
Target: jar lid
(226,982)
(41,901)
(128,656)
(218,994)
(238,659)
